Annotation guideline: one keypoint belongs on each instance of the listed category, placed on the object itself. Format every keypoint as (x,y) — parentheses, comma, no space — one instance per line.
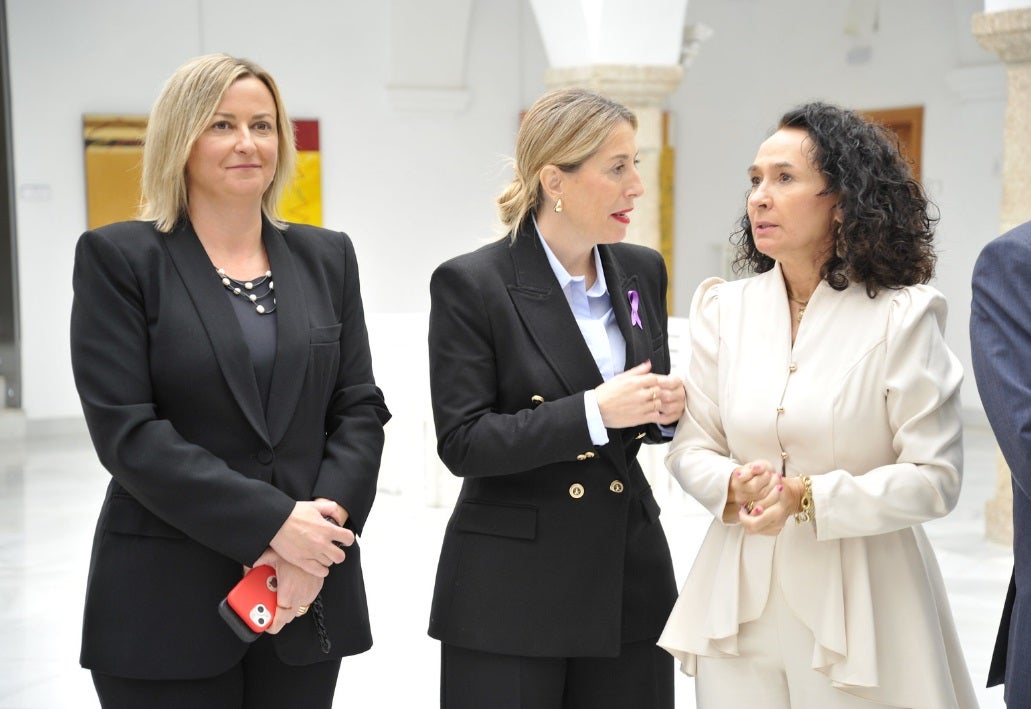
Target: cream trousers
(773,670)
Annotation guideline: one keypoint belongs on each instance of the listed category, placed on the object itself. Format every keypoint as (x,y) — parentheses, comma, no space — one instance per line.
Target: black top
(259,332)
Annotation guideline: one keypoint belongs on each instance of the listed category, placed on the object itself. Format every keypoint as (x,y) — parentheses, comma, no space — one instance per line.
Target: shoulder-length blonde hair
(563,128)
(182,111)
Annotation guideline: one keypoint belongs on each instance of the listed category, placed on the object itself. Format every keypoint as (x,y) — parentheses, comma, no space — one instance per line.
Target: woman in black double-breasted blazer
(549,367)
(232,427)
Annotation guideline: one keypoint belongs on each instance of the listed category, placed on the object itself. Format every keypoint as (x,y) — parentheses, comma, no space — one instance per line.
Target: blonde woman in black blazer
(238,428)
(555,578)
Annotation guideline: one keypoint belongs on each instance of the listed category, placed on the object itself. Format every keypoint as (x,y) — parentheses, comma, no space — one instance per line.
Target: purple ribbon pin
(635,317)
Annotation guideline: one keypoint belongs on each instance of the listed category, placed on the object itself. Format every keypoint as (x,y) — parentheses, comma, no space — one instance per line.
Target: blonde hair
(182,111)
(563,128)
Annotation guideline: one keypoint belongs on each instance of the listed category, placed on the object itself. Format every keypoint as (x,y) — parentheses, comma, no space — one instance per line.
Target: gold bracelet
(807,513)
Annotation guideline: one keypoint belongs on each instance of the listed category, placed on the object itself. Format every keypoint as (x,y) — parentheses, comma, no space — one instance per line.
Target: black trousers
(640,678)
(260,681)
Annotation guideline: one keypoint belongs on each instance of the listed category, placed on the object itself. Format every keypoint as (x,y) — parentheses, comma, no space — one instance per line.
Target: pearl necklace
(248,290)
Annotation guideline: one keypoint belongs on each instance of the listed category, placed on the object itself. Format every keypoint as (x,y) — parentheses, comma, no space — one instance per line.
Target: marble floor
(51,487)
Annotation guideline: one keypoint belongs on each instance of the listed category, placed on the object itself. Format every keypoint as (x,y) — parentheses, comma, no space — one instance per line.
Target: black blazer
(536,559)
(201,479)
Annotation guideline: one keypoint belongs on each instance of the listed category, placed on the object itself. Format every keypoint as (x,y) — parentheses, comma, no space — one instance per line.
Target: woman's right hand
(306,539)
(630,398)
(294,588)
(750,482)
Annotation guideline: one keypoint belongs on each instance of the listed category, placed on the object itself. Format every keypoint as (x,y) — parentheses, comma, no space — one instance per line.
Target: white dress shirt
(592,308)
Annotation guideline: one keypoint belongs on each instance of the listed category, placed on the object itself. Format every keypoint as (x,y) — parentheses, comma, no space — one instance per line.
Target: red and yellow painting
(114,161)
(302,199)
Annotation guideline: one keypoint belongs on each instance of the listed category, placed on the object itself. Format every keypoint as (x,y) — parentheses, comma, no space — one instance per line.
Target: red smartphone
(251,605)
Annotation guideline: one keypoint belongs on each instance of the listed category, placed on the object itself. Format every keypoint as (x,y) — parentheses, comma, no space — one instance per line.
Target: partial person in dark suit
(1000,342)
(549,366)
(222,361)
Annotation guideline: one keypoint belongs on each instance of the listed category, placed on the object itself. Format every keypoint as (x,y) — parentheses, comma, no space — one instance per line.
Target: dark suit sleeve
(1000,340)
(475,438)
(182,483)
(357,412)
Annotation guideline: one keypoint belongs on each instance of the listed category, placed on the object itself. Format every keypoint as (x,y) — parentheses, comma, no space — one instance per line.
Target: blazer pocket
(329,335)
(124,515)
(514,521)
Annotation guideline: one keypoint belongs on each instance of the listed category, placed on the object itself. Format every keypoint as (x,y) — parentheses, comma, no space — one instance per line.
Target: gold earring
(840,247)
(558,205)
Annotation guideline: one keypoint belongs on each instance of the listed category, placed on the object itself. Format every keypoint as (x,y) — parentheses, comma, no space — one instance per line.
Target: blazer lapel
(637,338)
(219,320)
(545,311)
(543,308)
(620,283)
(293,333)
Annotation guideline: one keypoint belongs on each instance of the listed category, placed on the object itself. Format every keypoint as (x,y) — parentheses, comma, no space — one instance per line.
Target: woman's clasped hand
(760,498)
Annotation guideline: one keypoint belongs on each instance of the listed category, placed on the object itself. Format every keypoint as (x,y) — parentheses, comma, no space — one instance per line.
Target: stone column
(642,89)
(1008,34)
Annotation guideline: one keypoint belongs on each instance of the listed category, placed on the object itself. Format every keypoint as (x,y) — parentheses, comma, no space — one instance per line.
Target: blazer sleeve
(184,484)
(356,413)
(921,387)
(699,456)
(475,438)
(1000,342)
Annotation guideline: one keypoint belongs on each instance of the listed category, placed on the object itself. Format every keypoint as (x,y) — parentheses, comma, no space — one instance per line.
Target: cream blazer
(867,403)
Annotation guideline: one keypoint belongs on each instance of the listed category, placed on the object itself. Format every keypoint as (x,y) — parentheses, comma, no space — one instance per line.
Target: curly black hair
(885,237)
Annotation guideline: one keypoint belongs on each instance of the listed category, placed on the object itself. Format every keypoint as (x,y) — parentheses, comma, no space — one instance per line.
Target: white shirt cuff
(599,435)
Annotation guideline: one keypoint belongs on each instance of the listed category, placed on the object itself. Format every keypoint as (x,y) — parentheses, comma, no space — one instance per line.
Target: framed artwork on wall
(113,147)
(908,124)
(114,154)
(302,199)
(667,161)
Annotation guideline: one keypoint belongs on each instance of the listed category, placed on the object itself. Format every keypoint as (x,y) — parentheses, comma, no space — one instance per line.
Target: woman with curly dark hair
(821,389)
(883,236)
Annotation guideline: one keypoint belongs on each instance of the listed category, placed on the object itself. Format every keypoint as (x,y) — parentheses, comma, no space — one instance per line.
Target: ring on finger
(301,610)
(749,506)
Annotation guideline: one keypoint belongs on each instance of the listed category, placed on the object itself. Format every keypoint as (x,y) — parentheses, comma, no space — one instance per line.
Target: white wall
(413,188)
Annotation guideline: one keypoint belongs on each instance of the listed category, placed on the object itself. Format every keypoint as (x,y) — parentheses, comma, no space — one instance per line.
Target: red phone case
(251,606)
